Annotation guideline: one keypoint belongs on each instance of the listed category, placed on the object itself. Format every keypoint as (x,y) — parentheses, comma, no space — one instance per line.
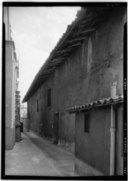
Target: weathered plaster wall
(85,76)
(41,120)
(10,81)
(119,141)
(93,147)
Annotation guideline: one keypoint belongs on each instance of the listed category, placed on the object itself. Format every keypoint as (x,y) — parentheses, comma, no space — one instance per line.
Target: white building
(11,73)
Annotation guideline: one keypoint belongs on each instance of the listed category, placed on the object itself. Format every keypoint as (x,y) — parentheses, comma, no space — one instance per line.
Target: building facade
(99,137)
(11,75)
(17,117)
(85,64)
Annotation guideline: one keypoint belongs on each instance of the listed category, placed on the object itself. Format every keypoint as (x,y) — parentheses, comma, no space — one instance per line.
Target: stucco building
(11,83)
(67,98)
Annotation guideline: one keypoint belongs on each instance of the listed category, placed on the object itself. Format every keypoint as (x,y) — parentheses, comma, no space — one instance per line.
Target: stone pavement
(36,156)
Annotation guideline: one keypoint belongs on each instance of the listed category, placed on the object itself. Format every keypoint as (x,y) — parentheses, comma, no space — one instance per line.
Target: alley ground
(36,156)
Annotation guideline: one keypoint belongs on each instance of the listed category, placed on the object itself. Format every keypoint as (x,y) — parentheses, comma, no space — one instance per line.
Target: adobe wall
(88,73)
(85,76)
(93,147)
(41,121)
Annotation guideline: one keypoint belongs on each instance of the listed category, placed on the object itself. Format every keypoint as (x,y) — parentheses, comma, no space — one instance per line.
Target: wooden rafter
(87,31)
(76,40)
(63,51)
(54,63)
(75,44)
(51,68)
(60,55)
(47,71)
(55,60)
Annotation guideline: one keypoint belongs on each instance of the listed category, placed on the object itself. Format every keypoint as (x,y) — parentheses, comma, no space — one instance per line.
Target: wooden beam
(62,55)
(76,40)
(47,71)
(87,31)
(52,63)
(75,45)
(51,68)
(69,48)
(56,60)
(63,51)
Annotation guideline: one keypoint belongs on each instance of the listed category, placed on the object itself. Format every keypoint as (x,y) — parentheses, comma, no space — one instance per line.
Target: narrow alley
(36,156)
(63,102)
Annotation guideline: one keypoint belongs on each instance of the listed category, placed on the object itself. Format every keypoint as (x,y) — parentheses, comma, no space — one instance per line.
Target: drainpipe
(112,132)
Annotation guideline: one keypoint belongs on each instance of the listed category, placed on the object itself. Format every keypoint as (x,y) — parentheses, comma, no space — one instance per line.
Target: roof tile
(103,102)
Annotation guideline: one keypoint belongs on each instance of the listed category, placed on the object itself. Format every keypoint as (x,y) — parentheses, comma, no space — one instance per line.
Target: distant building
(23,111)
(11,75)
(17,117)
(24,118)
(77,96)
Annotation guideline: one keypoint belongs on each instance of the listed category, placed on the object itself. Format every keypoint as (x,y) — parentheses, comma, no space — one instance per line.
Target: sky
(36,31)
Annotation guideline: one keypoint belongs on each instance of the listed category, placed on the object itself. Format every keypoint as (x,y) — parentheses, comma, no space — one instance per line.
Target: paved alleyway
(36,156)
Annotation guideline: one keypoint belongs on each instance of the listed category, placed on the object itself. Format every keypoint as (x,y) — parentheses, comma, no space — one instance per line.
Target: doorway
(56,128)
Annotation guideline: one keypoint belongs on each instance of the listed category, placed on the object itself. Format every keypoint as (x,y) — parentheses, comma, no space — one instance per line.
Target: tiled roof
(99,103)
(86,22)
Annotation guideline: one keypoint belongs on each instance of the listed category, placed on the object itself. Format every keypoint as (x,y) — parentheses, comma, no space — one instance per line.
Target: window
(86,122)
(37,106)
(49,97)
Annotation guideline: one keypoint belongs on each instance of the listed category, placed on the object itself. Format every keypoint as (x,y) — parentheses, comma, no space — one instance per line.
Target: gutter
(112,141)
(113,131)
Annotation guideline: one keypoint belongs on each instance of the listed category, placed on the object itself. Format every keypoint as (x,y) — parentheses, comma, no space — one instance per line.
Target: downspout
(112,132)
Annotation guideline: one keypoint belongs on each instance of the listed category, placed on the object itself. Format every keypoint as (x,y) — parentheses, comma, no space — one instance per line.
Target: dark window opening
(49,97)
(86,122)
(37,105)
